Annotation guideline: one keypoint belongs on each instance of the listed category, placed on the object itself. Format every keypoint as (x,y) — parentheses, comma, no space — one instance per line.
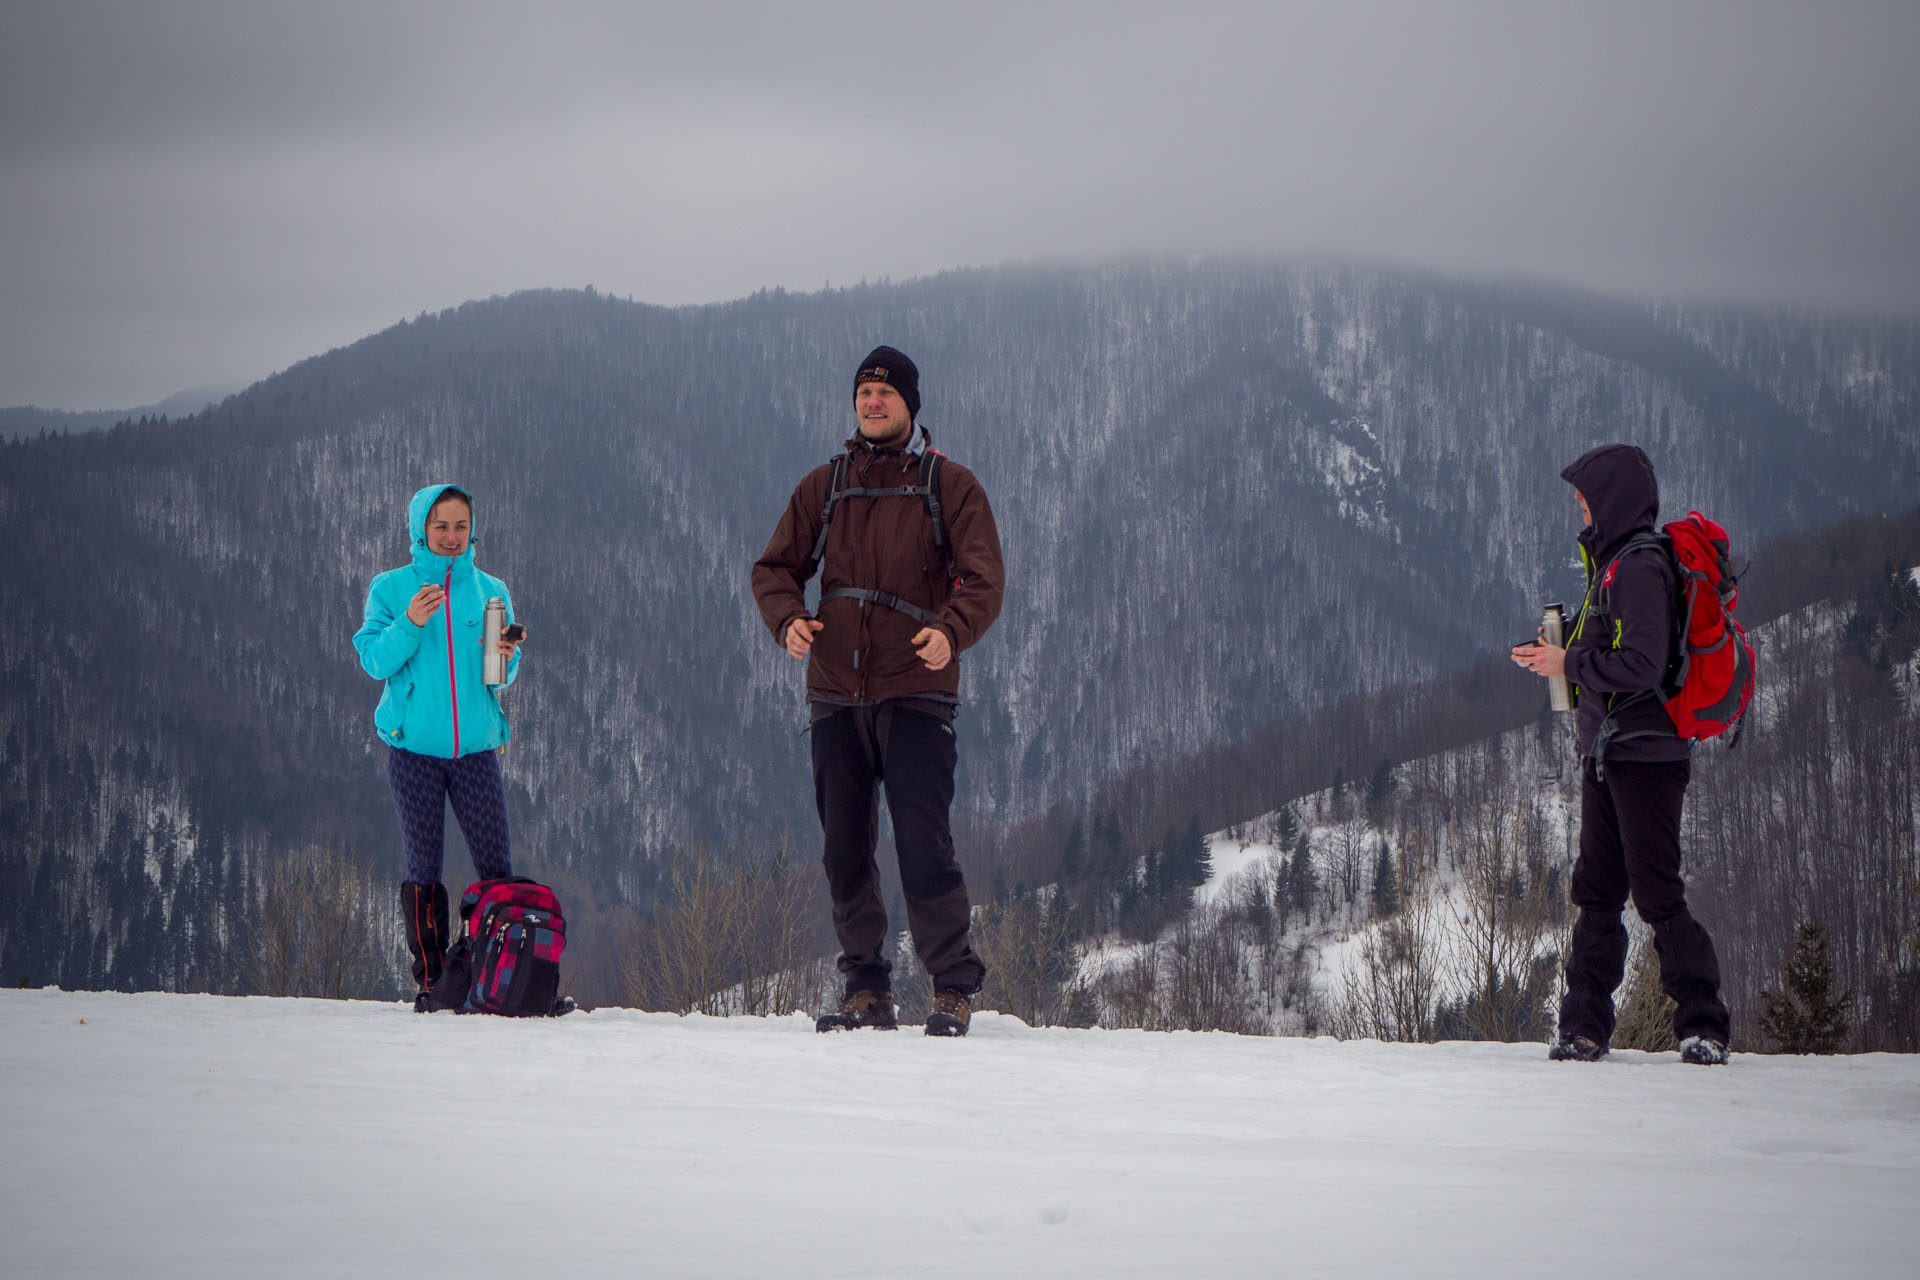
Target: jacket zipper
(453,683)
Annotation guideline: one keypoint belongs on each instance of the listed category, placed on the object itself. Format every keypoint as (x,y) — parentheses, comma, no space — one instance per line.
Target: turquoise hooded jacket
(435,703)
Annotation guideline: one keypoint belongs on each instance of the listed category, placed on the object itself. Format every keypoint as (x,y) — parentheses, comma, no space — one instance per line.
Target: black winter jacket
(1622,641)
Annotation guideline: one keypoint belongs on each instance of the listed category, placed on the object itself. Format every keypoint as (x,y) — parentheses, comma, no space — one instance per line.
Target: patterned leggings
(422,785)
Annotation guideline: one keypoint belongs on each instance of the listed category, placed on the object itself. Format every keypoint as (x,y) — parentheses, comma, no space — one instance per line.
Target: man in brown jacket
(910,575)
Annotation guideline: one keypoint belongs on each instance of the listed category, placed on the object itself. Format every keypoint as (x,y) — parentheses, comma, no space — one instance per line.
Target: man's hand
(800,634)
(935,649)
(1541,658)
(425,603)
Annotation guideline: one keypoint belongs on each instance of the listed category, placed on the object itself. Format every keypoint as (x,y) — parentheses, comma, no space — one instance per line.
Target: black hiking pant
(1630,848)
(908,745)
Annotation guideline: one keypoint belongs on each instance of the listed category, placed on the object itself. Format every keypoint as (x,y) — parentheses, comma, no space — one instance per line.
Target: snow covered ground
(170,1135)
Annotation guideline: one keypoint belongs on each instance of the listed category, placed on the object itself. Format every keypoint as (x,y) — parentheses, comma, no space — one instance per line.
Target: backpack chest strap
(885,599)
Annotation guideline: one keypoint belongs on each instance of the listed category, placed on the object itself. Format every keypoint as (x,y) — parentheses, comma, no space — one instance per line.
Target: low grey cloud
(205,192)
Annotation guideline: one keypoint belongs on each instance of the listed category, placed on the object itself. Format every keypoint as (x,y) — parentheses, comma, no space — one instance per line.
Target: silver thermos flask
(495,668)
(1553,626)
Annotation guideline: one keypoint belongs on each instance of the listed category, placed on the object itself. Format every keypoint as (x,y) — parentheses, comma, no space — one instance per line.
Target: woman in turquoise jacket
(423,634)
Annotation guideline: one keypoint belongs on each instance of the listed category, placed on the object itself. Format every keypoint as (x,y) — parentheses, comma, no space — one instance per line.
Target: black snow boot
(861,1009)
(1576,1049)
(423,912)
(952,1011)
(1703,1051)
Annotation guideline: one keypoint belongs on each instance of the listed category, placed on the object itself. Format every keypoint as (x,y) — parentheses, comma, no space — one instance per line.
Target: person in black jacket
(1634,768)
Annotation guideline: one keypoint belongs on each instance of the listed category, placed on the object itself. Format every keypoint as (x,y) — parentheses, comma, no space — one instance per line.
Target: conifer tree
(1386,883)
(1153,873)
(1807,1017)
(1196,859)
(1301,881)
(1083,1009)
(1286,826)
(1073,858)
(1109,846)
(1380,789)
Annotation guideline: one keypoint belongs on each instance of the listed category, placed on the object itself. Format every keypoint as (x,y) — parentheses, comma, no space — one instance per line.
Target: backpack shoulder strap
(836,481)
(928,491)
(1682,603)
(1643,542)
(930,463)
(1639,542)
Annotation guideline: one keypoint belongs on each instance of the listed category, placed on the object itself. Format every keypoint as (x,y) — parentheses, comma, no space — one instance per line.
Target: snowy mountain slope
(1229,494)
(166,1135)
(1476,842)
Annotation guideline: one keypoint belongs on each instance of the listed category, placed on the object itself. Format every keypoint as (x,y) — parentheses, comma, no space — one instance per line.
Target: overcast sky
(197,193)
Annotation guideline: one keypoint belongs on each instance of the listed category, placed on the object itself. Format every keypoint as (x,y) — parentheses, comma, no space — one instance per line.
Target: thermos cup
(1553,626)
(494,672)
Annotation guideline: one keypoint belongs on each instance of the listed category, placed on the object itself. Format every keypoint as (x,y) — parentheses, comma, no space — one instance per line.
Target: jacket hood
(436,566)
(1618,483)
(857,443)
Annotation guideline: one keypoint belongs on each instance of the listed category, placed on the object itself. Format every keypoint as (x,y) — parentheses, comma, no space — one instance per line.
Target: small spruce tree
(1286,826)
(1807,1017)
(1380,790)
(1083,1008)
(1196,856)
(1073,857)
(1386,883)
(1302,883)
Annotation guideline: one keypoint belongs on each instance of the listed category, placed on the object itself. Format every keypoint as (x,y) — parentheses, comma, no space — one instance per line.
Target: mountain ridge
(1228,494)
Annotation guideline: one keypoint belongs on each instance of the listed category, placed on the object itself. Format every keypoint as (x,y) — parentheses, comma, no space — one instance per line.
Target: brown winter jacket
(865,653)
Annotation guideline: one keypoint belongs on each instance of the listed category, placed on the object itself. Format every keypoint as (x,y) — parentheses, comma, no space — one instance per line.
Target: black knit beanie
(885,364)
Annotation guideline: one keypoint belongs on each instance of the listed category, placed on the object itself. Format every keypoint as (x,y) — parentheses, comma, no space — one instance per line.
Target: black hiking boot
(861,1009)
(1576,1049)
(952,1010)
(1702,1052)
(562,1006)
(423,915)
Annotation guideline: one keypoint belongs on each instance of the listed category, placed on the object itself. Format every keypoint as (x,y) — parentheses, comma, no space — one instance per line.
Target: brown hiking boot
(952,1010)
(861,1009)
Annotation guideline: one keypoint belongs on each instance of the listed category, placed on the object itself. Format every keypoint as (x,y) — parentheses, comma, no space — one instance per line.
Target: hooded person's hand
(425,603)
(1541,658)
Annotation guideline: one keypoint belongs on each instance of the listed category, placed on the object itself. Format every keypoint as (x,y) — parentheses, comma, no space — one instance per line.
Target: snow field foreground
(175,1135)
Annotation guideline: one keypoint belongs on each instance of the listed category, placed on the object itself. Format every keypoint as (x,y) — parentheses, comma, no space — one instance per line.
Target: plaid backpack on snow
(507,960)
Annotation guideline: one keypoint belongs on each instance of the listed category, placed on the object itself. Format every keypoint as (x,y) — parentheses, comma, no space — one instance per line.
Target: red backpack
(1711,680)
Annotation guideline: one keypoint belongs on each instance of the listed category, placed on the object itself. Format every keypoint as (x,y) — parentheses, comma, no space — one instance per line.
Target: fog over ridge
(205,192)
